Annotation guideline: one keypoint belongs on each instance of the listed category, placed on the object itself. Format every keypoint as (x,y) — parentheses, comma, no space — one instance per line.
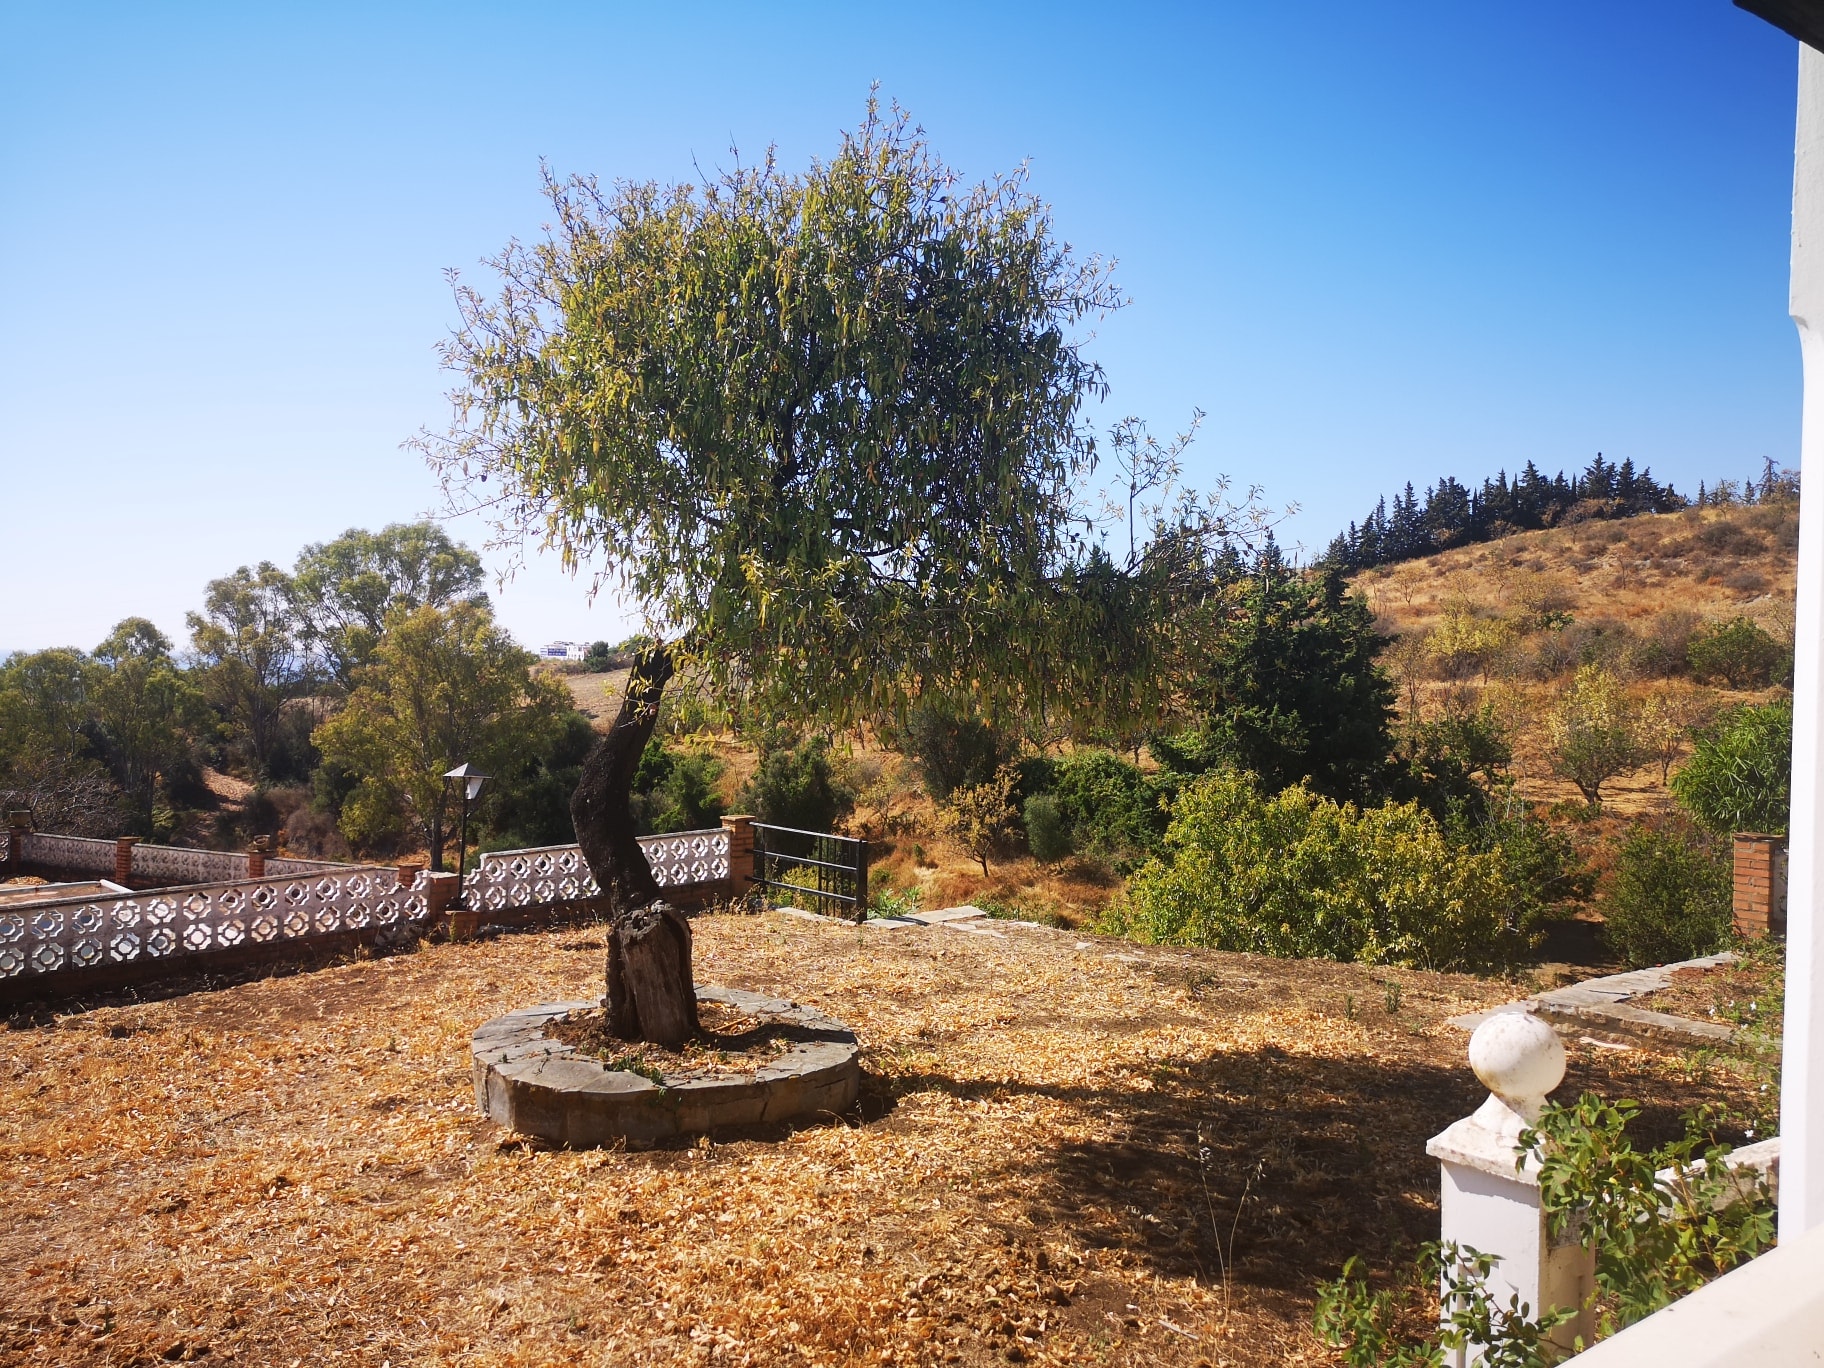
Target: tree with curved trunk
(825,429)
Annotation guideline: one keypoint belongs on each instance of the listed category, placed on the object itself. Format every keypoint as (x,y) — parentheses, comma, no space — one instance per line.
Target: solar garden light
(471,781)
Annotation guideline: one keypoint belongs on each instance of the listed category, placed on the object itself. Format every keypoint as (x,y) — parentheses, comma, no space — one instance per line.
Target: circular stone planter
(543,1087)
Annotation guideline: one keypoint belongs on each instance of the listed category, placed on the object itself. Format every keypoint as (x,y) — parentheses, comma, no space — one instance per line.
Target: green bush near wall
(1298,875)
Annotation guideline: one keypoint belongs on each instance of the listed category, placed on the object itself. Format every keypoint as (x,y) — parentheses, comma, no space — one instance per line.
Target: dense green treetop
(251,649)
(1739,776)
(1291,692)
(145,711)
(344,589)
(825,429)
(446,686)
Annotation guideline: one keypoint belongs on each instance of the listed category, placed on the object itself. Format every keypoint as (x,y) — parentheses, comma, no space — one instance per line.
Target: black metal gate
(832,870)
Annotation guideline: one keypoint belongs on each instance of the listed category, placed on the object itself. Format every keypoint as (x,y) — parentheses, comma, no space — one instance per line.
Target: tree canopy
(446,686)
(344,589)
(826,429)
(248,641)
(1291,692)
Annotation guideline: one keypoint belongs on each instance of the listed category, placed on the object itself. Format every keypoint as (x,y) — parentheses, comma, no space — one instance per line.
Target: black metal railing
(813,865)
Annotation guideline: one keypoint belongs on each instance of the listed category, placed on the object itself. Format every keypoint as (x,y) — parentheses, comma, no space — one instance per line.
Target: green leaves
(1655,1240)
(1297,875)
(1663,1223)
(343,590)
(1373,1328)
(824,428)
(1739,778)
(446,686)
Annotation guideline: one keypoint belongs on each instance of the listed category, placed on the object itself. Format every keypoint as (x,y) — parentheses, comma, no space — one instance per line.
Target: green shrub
(1539,861)
(1664,647)
(1739,777)
(953,749)
(797,786)
(529,805)
(675,789)
(1655,1240)
(888,901)
(1112,810)
(1371,1328)
(1047,829)
(1299,875)
(1450,763)
(1739,653)
(1670,899)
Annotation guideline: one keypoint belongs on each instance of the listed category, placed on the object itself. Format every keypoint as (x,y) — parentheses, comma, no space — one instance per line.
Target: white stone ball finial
(1519,1059)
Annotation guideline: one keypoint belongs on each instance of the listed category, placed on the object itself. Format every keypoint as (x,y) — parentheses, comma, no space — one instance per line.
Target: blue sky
(1375,243)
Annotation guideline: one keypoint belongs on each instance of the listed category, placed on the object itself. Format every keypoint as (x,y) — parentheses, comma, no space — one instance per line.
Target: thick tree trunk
(651,995)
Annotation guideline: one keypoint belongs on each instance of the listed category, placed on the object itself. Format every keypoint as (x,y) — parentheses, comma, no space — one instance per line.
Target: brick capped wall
(1760,884)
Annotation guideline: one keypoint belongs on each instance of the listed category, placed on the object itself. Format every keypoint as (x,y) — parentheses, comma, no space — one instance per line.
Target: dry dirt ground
(597,695)
(1069,1150)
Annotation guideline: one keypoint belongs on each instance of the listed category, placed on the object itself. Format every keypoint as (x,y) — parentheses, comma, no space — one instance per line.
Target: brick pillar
(409,870)
(123,860)
(18,827)
(256,858)
(439,893)
(1760,884)
(740,831)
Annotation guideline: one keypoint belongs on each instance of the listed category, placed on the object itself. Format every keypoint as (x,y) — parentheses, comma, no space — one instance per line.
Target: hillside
(597,695)
(1507,623)
(1717,562)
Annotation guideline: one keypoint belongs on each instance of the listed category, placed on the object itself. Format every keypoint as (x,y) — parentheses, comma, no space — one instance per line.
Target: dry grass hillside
(1713,561)
(597,695)
(1508,622)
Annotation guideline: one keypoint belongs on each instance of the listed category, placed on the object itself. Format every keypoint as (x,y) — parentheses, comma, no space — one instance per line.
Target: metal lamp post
(471,781)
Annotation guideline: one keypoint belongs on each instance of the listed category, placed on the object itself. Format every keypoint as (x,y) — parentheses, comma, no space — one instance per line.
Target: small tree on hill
(982,818)
(1665,725)
(1592,733)
(1739,653)
(826,429)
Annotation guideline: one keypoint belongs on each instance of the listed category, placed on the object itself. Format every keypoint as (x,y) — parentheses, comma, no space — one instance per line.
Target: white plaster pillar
(1487,1202)
(1802,1068)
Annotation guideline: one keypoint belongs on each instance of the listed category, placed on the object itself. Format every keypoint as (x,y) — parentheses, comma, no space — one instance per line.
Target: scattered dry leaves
(1068,1150)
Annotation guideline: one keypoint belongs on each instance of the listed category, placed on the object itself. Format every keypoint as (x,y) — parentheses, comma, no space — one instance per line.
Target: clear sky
(1377,243)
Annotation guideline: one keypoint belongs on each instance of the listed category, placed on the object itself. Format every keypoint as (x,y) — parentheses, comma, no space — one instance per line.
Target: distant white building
(566,650)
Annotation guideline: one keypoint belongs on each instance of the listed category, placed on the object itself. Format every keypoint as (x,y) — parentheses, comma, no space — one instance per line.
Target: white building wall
(1802,1072)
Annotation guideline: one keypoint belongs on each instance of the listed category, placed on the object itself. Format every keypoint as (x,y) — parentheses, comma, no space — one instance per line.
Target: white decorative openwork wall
(545,874)
(83,933)
(77,854)
(165,865)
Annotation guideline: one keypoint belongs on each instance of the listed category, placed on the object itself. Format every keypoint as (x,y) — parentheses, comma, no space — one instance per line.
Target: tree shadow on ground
(1273,1166)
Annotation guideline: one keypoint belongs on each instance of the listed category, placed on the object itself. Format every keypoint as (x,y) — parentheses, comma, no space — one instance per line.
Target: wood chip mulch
(1068,1150)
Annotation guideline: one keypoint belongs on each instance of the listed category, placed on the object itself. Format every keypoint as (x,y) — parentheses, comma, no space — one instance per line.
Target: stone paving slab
(1600,1004)
(948,914)
(972,929)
